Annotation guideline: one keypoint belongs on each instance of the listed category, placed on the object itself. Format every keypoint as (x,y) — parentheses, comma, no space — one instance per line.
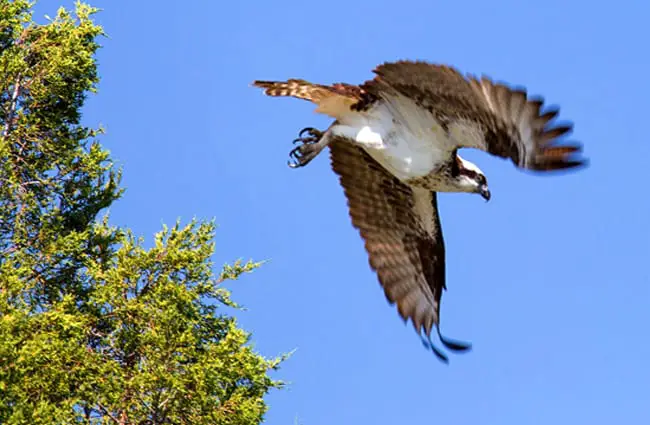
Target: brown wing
(481,114)
(335,100)
(401,230)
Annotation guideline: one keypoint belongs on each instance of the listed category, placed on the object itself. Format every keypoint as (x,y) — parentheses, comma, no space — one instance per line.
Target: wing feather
(401,230)
(479,113)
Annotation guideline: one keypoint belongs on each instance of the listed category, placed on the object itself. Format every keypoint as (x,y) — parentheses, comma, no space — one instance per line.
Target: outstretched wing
(479,113)
(401,230)
(335,100)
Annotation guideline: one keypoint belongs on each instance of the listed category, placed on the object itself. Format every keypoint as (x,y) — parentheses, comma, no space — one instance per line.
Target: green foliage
(94,328)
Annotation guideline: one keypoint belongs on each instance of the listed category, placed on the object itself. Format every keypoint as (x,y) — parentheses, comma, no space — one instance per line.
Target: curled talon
(311,130)
(314,135)
(305,140)
(309,147)
(295,153)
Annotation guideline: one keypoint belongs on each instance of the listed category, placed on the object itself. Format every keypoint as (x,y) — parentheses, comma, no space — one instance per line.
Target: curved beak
(485,192)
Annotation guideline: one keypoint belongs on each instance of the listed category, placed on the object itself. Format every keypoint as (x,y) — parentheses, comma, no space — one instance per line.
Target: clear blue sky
(549,280)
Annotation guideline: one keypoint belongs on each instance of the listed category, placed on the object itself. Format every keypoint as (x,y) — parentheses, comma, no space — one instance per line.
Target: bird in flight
(394,145)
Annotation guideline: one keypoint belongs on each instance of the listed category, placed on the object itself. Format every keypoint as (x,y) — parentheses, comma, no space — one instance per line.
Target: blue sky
(548,280)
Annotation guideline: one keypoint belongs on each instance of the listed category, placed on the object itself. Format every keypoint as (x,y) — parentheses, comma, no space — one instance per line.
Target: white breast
(408,146)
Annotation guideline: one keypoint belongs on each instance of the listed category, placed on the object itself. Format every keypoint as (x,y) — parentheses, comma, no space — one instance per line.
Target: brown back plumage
(500,120)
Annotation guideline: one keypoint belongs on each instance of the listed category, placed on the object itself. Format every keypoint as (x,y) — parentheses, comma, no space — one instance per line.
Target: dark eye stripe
(469,173)
(479,178)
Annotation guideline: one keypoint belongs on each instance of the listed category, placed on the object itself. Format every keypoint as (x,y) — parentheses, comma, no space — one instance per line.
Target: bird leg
(310,146)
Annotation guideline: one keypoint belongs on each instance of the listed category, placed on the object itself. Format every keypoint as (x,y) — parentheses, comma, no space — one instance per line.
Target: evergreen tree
(94,328)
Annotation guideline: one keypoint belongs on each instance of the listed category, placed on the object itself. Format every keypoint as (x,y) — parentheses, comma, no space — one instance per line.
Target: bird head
(471,179)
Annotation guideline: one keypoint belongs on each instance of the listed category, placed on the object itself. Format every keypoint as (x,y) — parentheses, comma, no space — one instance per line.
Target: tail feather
(335,100)
(300,89)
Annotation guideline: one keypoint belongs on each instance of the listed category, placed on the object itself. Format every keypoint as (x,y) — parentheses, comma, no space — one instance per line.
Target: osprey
(394,144)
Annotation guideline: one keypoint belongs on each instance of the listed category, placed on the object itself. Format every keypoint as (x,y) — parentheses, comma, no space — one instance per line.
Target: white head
(470,178)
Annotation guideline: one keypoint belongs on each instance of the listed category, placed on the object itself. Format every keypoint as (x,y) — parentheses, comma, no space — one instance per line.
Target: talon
(309,147)
(295,153)
(298,157)
(311,130)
